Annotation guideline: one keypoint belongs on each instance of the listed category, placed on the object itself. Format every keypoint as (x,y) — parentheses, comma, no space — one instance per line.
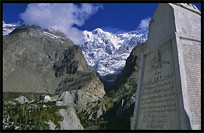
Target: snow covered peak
(8,28)
(107,52)
(98,30)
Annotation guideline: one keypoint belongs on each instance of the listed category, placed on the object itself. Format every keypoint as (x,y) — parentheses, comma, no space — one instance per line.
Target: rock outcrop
(22,100)
(70,120)
(95,109)
(82,101)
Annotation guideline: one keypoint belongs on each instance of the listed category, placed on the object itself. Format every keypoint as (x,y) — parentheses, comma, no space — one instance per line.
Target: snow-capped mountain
(104,51)
(8,28)
(58,36)
(107,52)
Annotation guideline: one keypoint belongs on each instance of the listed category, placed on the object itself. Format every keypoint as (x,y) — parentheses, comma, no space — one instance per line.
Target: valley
(84,81)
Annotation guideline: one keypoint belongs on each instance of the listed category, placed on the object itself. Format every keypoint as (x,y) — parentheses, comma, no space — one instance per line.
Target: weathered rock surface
(95,109)
(124,81)
(82,81)
(129,75)
(70,121)
(83,101)
(36,60)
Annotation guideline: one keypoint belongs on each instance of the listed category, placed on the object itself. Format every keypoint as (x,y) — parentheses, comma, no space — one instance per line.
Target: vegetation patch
(114,123)
(132,89)
(89,124)
(108,100)
(30,116)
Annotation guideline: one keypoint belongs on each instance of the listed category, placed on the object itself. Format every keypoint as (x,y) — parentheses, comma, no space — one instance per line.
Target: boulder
(51,125)
(47,98)
(70,121)
(22,100)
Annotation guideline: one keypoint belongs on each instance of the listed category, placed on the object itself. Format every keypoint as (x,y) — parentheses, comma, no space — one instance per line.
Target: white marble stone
(169,88)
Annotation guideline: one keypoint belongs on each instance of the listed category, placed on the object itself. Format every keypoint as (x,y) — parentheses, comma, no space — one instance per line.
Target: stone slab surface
(169,85)
(158,101)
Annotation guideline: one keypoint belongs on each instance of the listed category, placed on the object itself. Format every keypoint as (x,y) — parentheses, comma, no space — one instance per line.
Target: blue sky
(73,18)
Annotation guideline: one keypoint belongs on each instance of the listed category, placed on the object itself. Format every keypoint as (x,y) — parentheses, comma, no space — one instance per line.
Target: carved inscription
(157,62)
(192,61)
(158,98)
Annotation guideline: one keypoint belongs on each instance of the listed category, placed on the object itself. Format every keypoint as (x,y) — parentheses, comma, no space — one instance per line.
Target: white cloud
(144,23)
(60,17)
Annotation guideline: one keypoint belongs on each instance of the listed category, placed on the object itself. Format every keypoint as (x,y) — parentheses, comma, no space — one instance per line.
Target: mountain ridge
(104,51)
(38,60)
(107,52)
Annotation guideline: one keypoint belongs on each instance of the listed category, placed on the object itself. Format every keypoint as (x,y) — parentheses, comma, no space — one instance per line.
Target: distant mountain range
(104,51)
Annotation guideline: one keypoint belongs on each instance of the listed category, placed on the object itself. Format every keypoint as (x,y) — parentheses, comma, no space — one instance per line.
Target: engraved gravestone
(169,85)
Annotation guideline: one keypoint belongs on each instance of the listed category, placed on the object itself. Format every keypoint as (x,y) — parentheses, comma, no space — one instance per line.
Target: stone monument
(169,85)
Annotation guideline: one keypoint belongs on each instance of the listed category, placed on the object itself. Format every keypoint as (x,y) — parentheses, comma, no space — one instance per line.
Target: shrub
(132,89)
(108,101)
(111,94)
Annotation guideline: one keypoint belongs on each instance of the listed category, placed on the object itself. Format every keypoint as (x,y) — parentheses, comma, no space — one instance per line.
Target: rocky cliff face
(126,83)
(37,60)
(129,74)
